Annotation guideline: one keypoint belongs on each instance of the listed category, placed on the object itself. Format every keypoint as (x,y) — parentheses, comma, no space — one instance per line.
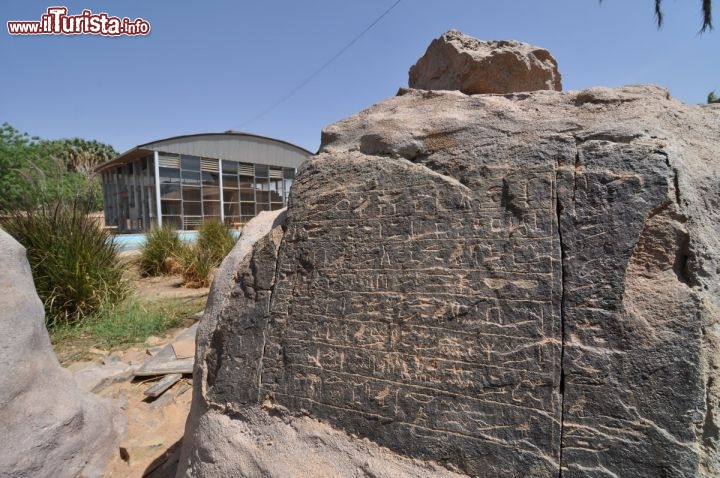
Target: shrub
(196,265)
(198,261)
(160,253)
(216,238)
(74,262)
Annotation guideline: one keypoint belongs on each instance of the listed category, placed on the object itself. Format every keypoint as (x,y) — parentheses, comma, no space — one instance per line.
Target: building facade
(182,180)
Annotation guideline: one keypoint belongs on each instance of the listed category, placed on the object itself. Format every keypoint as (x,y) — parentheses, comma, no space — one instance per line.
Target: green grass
(127,324)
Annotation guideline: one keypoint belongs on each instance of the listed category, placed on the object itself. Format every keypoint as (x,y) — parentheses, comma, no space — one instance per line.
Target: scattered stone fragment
(165,383)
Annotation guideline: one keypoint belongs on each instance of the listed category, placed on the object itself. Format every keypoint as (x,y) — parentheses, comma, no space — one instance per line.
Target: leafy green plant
(712,98)
(74,262)
(161,252)
(33,170)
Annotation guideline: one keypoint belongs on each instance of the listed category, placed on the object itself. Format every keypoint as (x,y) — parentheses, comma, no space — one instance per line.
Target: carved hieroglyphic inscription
(425,309)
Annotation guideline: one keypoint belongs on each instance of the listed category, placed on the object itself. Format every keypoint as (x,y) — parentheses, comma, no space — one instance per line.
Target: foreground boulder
(255,438)
(508,285)
(519,285)
(50,427)
(456,61)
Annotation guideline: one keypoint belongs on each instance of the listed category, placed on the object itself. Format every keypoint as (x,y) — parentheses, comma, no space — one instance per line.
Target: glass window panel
(247,195)
(189,177)
(262,197)
(286,187)
(211,193)
(191,208)
(247,182)
(169,175)
(262,207)
(231,195)
(245,219)
(289,173)
(229,167)
(261,170)
(210,179)
(276,206)
(171,207)
(247,209)
(211,208)
(262,183)
(276,190)
(170,191)
(230,181)
(190,163)
(191,193)
(232,209)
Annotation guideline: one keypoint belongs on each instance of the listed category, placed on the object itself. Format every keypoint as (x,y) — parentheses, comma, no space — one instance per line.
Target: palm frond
(658,13)
(707,16)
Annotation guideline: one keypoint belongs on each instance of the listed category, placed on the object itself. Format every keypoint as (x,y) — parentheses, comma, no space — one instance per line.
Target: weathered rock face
(50,427)
(242,438)
(456,61)
(510,285)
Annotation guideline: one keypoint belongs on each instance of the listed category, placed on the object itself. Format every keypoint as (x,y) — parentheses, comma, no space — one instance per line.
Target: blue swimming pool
(133,242)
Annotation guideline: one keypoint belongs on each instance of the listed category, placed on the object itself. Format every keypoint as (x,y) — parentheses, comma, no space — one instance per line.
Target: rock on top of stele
(456,61)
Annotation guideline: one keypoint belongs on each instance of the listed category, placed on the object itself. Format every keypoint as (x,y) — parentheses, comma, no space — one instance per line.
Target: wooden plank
(165,361)
(184,348)
(184,366)
(160,387)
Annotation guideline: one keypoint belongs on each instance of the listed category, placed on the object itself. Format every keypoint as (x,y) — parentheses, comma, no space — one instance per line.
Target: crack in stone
(273,287)
(558,212)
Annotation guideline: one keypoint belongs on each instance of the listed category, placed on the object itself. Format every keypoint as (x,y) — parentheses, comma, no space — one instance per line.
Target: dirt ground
(154,426)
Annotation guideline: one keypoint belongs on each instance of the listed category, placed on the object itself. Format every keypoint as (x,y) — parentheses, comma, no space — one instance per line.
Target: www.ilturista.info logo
(57,22)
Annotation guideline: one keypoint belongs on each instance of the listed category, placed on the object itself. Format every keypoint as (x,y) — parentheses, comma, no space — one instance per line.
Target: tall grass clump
(215,238)
(74,262)
(198,261)
(160,254)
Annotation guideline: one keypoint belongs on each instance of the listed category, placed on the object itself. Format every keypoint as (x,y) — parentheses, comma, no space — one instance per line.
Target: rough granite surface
(456,61)
(50,427)
(509,285)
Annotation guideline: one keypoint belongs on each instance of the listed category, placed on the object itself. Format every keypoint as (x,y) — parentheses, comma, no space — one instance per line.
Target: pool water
(134,242)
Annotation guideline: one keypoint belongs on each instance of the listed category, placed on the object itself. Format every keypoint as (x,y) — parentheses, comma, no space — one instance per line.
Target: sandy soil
(155,426)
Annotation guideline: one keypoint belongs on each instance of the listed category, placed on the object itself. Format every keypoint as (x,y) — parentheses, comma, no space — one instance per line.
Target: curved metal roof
(230,145)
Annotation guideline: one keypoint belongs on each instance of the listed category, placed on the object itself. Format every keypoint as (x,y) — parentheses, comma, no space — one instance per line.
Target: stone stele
(456,61)
(50,428)
(523,285)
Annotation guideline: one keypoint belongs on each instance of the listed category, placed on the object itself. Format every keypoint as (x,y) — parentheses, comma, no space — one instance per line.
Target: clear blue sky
(213,66)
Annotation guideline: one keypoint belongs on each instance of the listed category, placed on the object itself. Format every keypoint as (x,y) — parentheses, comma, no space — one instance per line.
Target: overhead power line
(322,67)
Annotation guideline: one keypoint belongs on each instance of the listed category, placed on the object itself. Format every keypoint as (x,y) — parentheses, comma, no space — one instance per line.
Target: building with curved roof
(182,180)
